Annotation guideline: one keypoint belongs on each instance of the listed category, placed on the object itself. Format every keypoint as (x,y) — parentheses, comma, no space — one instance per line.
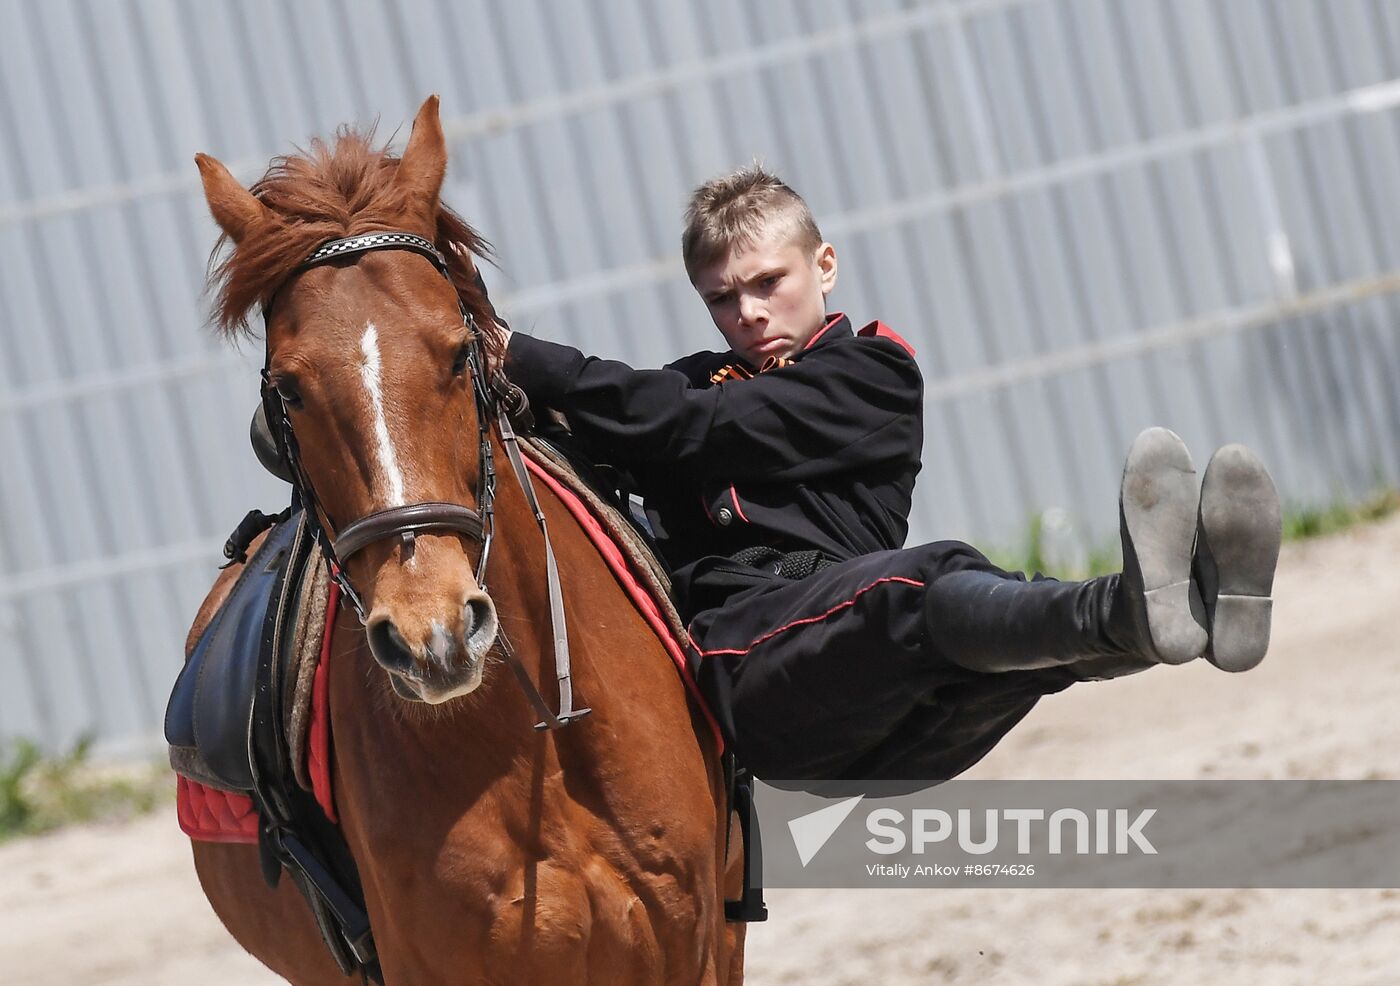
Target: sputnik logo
(812,831)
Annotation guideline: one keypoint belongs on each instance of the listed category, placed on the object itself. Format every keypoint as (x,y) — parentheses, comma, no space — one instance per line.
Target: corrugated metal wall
(1088,215)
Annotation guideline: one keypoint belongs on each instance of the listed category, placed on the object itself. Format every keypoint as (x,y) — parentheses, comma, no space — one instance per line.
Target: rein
(494,400)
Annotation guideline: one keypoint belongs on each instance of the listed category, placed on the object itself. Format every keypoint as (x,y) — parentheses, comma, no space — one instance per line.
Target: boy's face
(769,297)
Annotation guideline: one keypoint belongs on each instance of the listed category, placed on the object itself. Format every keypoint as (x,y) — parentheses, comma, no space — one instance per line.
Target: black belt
(794,565)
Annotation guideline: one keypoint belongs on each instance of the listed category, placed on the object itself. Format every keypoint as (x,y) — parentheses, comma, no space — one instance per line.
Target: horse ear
(234,208)
(424,161)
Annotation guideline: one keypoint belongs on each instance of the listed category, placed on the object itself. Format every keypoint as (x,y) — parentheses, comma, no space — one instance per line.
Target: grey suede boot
(1240,527)
(1157,508)
(1117,623)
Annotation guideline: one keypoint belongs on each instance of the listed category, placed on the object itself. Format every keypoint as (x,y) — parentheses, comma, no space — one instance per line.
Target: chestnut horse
(489,852)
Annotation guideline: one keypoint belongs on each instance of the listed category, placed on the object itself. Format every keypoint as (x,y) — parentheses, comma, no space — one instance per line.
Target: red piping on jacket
(807,619)
(734,495)
(830,322)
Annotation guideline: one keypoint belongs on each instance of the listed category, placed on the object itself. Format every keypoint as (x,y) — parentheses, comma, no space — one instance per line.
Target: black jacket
(819,454)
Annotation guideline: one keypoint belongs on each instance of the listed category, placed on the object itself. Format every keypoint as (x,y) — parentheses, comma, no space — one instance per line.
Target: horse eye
(459,365)
(288,392)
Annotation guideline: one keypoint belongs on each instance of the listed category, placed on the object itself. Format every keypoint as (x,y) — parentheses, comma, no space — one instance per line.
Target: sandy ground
(120,905)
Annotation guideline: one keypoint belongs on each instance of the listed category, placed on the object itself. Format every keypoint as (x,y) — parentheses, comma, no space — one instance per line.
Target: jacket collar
(837,326)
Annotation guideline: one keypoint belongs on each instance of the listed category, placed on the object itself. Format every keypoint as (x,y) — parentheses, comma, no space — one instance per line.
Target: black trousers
(835,677)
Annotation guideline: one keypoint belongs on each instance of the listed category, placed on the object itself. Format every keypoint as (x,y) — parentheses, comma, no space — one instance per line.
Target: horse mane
(332,191)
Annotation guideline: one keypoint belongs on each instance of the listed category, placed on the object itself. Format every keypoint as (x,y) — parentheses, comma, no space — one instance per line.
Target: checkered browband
(376,241)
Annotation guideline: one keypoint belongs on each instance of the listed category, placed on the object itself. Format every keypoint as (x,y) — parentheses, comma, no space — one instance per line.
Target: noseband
(495,400)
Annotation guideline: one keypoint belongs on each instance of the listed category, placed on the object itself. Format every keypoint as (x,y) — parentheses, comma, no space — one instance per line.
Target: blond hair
(734,210)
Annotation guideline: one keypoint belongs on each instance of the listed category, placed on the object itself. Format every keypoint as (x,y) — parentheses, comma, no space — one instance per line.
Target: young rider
(778,478)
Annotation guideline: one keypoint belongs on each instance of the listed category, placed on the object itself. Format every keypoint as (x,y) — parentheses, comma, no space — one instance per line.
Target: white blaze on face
(370,375)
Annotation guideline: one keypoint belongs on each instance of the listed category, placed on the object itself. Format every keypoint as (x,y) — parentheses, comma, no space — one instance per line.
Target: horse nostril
(388,646)
(479,623)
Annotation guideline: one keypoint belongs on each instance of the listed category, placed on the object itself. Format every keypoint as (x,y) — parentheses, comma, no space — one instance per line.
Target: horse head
(373,377)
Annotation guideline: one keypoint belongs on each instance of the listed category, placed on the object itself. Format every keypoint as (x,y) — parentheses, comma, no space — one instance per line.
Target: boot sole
(1158,511)
(1241,529)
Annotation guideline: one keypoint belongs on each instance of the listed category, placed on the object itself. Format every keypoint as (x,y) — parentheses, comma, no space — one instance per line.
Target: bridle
(407,520)
(495,400)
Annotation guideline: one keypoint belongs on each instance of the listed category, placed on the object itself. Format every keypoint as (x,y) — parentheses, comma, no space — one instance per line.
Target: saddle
(275,613)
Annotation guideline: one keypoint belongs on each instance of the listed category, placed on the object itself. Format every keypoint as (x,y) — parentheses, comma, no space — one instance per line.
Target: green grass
(1030,557)
(40,793)
(1309,522)
(1299,523)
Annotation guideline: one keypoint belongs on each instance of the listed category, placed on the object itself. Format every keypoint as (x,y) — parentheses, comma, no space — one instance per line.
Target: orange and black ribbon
(739,371)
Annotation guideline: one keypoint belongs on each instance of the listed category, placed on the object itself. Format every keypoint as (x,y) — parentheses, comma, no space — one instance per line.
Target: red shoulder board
(878,329)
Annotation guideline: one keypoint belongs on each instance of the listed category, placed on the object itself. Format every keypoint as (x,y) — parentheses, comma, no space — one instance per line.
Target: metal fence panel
(1088,216)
